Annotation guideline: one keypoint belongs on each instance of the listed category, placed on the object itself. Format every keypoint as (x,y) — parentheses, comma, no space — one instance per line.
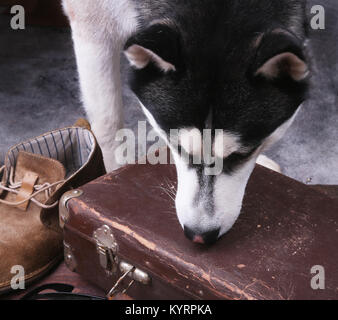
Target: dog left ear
(280,55)
(158,44)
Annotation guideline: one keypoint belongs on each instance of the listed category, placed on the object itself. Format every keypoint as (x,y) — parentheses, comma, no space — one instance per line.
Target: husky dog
(235,65)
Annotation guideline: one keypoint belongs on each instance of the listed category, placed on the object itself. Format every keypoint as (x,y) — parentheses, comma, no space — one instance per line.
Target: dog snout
(207,238)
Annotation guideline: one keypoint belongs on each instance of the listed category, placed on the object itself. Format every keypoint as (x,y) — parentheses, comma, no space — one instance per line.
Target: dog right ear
(280,56)
(159,45)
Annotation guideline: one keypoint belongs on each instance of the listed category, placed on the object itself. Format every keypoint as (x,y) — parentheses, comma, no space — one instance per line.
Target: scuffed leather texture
(33,239)
(93,168)
(329,190)
(285,229)
(27,189)
(24,240)
(45,169)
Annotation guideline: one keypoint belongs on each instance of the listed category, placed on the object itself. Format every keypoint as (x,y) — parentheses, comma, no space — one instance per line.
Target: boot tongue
(32,169)
(47,170)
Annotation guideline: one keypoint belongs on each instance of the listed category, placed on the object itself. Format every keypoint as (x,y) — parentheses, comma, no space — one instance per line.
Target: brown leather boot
(35,175)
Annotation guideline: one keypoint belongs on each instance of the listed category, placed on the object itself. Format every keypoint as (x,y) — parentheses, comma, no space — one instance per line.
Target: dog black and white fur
(235,65)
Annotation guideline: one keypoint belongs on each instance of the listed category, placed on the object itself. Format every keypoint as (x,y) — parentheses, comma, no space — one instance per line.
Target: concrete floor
(39,92)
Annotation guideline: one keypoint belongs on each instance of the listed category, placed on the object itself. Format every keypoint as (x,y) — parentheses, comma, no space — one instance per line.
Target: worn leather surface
(33,238)
(329,190)
(24,240)
(285,229)
(91,170)
(27,189)
(40,170)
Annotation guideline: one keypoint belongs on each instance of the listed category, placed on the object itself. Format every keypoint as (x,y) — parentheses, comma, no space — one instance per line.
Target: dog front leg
(99,72)
(98,60)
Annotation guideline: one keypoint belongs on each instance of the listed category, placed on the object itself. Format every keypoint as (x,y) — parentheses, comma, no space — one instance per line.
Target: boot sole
(5,288)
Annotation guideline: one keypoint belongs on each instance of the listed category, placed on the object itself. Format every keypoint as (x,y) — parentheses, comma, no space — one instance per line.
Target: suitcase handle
(113,291)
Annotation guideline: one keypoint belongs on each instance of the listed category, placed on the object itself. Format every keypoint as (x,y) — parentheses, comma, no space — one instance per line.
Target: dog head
(233,68)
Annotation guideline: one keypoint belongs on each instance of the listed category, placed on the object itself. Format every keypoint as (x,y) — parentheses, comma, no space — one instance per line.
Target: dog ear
(158,44)
(280,56)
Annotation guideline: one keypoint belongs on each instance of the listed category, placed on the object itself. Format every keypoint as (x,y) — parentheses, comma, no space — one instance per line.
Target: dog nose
(208,237)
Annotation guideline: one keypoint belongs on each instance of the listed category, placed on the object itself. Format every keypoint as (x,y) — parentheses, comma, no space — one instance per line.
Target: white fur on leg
(99,70)
(99,30)
(268,163)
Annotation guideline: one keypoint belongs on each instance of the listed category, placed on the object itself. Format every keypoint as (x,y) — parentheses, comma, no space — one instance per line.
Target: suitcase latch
(107,249)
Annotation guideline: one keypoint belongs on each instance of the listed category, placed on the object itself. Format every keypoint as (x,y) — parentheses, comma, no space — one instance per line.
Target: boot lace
(39,188)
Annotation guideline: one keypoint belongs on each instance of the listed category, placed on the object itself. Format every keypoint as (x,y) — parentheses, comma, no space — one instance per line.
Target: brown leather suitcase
(126,221)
